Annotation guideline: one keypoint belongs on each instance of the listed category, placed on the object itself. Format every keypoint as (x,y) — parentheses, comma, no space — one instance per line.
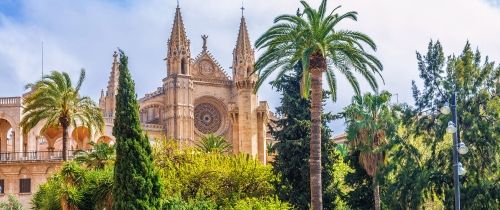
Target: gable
(205,67)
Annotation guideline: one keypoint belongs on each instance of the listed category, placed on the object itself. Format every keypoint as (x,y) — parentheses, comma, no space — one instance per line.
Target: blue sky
(84,33)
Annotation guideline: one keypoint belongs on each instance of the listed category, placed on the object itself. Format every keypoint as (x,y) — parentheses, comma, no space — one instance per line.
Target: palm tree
(312,39)
(71,178)
(212,143)
(101,155)
(370,123)
(56,103)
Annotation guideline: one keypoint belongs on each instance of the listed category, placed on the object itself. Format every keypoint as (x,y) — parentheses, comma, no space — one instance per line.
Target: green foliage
(314,33)
(101,155)
(212,143)
(360,195)
(75,187)
(422,165)
(201,179)
(268,203)
(292,134)
(371,124)
(137,183)
(57,104)
(11,204)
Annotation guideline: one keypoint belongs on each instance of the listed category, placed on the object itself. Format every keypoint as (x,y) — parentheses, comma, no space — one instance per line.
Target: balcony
(35,156)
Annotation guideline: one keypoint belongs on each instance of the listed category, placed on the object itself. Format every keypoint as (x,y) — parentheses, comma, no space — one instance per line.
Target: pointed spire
(113,77)
(178,38)
(243,46)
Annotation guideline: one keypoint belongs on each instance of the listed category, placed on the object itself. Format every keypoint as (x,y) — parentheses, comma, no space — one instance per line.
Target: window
(25,185)
(183,66)
(2,186)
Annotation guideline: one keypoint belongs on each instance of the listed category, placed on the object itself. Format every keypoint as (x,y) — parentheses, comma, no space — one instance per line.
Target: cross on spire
(242,8)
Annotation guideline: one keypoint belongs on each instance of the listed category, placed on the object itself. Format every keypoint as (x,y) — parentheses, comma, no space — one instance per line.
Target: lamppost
(459,148)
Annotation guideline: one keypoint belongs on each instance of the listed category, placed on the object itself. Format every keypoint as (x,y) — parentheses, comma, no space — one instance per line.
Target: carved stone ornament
(207,118)
(206,68)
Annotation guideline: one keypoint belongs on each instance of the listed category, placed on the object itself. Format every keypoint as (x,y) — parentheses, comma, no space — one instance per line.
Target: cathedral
(198,98)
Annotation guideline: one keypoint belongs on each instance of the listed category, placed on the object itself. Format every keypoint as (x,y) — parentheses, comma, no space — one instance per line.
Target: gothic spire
(243,46)
(178,39)
(113,77)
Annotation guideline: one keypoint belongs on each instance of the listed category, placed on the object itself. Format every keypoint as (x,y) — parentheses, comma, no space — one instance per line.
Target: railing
(35,156)
(108,120)
(9,101)
(152,127)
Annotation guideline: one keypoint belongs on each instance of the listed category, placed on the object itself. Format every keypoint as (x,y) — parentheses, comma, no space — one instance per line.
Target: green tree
(360,197)
(370,125)
(293,135)
(313,38)
(212,143)
(101,155)
(57,104)
(426,158)
(137,183)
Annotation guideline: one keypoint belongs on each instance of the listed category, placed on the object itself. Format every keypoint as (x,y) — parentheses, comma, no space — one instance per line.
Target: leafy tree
(426,160)
(57,104)
(313,39)
(212,143)
(370,125)
(101,155)
(293,135)
(137,183)
(11,204)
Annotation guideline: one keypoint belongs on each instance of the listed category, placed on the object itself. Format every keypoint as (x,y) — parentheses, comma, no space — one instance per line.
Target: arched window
(183,66)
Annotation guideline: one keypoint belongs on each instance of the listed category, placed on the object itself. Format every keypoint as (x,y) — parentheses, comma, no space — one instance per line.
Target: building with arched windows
(197,97)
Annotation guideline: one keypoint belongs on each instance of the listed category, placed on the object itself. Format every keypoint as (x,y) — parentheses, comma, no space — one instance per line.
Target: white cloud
(85,34)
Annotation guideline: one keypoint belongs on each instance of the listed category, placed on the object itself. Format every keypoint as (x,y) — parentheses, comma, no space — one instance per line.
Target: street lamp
(461,169)
(451,128)
(445,109)
(462,149)
(459,148)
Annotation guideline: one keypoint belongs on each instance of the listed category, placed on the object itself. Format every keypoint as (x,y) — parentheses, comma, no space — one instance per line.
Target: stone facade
(197,98)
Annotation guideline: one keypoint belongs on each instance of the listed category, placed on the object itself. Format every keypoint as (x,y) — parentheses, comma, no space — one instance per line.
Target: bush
(76,187)
(269,203)
(222,179)
(11,204)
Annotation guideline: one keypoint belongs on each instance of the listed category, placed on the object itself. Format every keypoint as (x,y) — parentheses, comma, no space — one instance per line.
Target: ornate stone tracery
(207,118)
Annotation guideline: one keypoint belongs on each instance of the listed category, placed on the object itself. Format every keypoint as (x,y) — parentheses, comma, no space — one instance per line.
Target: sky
(84,33)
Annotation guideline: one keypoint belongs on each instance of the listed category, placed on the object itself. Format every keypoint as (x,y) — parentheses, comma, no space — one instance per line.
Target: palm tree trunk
(315,146)
(376,194)
(65,142)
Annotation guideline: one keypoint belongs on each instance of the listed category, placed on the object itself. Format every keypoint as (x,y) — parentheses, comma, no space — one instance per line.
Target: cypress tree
(136,182)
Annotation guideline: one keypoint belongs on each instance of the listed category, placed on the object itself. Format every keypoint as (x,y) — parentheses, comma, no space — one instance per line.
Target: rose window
(207,118)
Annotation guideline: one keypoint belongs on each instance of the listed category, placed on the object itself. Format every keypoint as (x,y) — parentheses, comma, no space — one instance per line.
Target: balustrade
(10,101)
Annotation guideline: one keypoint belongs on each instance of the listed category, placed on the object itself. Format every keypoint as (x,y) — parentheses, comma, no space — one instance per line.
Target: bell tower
(107,102)
(178,84)
(247,121)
